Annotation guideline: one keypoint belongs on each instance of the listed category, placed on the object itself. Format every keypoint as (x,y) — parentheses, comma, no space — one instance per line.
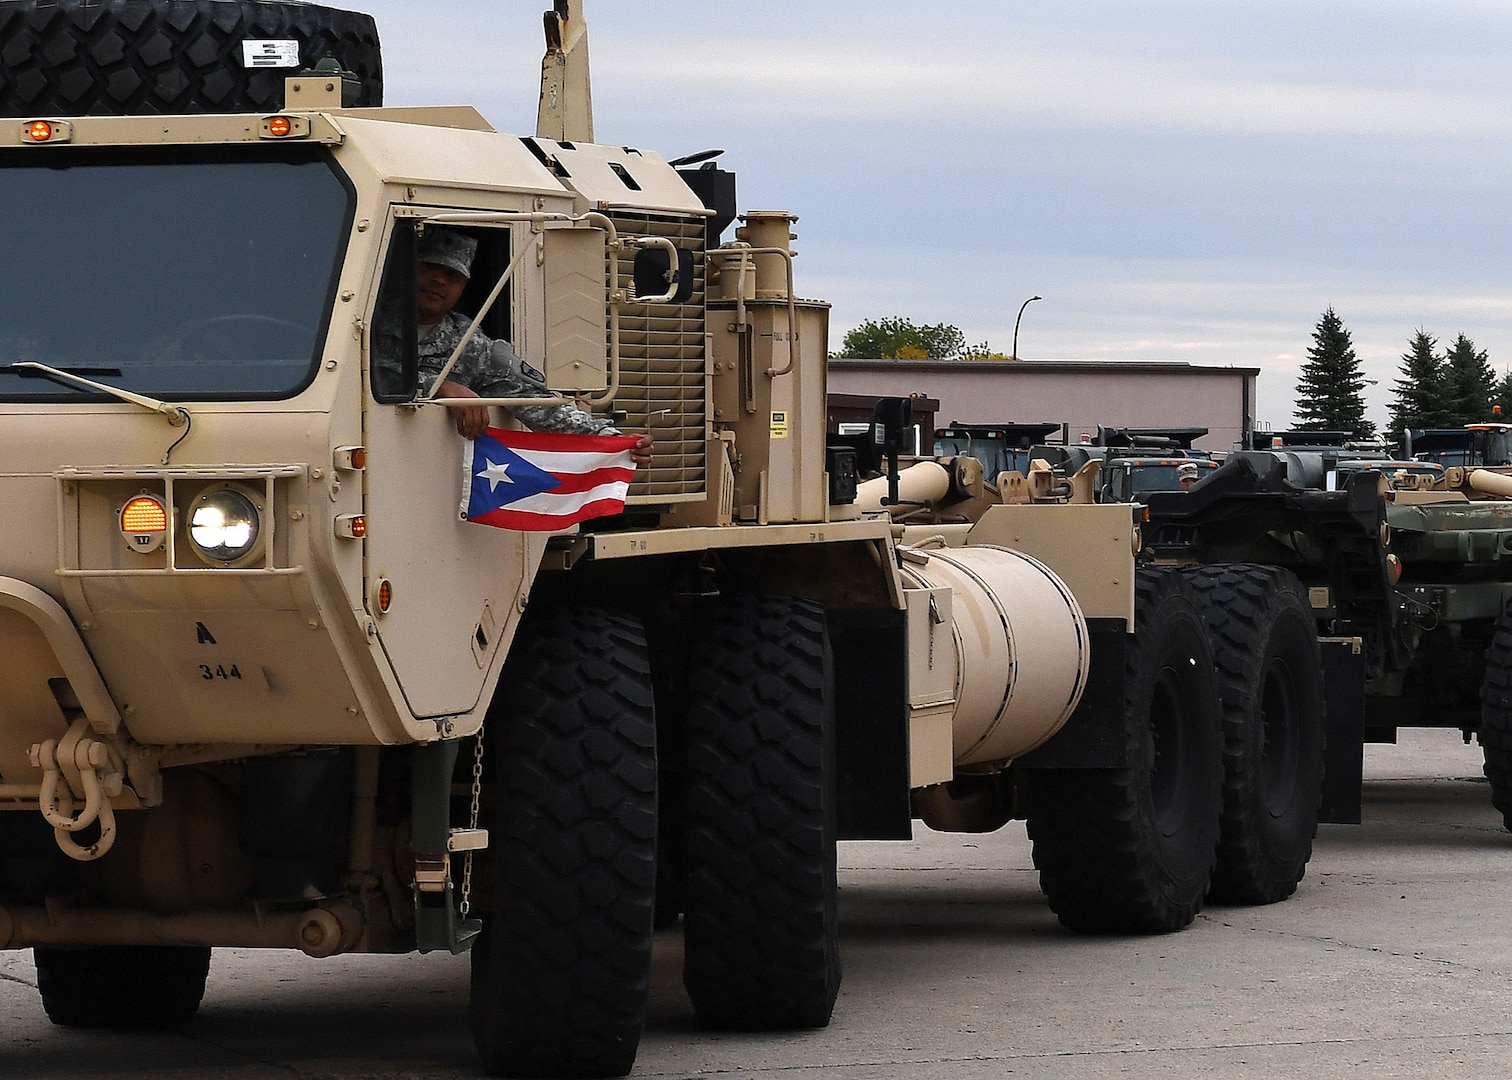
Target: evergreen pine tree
(1503,396)
(1420,390)
(1329,393)
(1470,382)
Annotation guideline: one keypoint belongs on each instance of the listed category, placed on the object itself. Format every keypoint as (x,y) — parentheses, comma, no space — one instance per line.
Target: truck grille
(663,378)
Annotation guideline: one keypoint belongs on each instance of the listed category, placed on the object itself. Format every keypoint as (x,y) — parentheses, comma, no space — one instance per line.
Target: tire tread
(1095,845)
(1261,858)
(124,986)
(760,919)
(562,970)
(135,57)
(1496,716)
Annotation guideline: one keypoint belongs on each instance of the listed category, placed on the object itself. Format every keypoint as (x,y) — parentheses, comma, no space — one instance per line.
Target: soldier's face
(440,289)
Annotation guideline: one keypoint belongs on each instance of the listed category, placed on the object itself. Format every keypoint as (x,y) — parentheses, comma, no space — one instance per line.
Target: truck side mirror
(892,420)
(651,274)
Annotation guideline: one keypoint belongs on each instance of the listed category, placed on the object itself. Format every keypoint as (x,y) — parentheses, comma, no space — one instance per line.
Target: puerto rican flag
(538,481)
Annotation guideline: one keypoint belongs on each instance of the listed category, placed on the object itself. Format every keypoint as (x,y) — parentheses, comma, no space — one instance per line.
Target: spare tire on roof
(131,57)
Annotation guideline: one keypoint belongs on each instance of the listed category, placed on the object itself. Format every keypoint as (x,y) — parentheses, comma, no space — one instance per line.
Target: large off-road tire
(1270,673)
(1131,850)
(1496,716)
(123,986)
(561,971)
(760,918)
(133,57)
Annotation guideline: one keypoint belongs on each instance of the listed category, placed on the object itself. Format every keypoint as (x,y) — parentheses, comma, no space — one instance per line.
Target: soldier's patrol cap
(449,248)
(1187,471)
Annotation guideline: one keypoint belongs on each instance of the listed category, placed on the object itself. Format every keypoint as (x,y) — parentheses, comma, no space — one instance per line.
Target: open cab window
(396,368)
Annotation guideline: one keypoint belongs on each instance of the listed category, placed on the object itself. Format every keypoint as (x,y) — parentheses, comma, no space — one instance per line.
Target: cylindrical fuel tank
(1021,648)
(1492,483)
(925,481)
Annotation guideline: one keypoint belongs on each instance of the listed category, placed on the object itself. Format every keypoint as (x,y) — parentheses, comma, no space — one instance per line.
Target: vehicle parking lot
(1393,959)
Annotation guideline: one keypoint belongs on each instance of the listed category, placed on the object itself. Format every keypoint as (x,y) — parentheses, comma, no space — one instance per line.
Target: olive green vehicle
(261,686)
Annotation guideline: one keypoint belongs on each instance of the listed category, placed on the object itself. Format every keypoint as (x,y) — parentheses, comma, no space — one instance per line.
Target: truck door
(454,588)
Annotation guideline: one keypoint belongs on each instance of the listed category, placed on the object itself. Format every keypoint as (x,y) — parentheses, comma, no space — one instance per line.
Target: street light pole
(1020,319)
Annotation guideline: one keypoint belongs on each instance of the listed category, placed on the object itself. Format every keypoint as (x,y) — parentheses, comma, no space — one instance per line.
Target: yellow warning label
(780,425)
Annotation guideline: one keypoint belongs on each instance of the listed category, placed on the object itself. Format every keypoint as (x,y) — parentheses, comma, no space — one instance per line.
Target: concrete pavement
(1393,959)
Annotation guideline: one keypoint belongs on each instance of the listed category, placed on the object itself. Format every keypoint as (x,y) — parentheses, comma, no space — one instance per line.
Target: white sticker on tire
(270,54)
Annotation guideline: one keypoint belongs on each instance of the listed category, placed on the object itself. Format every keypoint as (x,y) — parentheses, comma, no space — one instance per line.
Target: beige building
(1078,393)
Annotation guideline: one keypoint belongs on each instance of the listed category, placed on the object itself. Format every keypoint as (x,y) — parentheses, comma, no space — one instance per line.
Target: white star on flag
(496,474)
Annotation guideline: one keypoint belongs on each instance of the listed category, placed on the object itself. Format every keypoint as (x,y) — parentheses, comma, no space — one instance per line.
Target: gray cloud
(1179,179)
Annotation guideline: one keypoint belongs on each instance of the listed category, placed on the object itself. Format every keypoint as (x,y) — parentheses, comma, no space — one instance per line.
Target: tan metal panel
(616,176)
(1090,547)
(576,339)
(932,677)
(425,158)
(443,571)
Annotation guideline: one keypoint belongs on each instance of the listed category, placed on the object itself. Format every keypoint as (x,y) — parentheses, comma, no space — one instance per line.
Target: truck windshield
(1143,478)
(181,274)
(989,452)
(1147,476)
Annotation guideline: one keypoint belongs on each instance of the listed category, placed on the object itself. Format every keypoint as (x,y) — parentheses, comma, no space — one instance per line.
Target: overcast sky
(1179,180)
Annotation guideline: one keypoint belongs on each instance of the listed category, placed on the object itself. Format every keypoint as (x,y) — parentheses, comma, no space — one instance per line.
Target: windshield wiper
(176,415)
(26,373)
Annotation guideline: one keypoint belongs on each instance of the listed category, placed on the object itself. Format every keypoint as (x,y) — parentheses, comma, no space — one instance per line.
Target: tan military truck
(261,687)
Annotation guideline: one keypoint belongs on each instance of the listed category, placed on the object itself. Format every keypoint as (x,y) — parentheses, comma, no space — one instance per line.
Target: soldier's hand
(472,420)
(640,453)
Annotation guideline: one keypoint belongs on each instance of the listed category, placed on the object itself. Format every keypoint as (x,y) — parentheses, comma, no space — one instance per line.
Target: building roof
(998,366)
(866,401)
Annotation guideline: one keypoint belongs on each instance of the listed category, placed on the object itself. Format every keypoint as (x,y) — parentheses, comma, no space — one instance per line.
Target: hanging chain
(472,823)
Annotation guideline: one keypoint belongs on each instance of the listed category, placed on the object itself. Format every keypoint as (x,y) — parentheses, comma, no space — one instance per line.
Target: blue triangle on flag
(500,477)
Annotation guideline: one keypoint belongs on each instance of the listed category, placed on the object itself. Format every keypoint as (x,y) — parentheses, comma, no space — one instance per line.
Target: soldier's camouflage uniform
(489,369)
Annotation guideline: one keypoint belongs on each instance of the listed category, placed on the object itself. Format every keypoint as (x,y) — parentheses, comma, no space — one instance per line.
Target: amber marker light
(284,127)
(46,131)
(385,595)
(144,523)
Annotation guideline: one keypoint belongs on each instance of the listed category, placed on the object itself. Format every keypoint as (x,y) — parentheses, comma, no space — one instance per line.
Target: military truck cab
(261,686)
(999,447)
(1487,445)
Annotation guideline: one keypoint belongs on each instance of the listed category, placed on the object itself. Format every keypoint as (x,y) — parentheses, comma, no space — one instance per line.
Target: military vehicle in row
(1132,461)
(1488,445)
(1000,448)
(262,686)
(1406,559)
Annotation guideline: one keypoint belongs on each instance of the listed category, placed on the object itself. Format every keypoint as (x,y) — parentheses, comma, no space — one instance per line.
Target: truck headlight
(225,525)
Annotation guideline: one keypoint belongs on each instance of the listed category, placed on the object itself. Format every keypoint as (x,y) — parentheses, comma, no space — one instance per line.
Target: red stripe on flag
(522,521)
(575,482)
(554,440)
